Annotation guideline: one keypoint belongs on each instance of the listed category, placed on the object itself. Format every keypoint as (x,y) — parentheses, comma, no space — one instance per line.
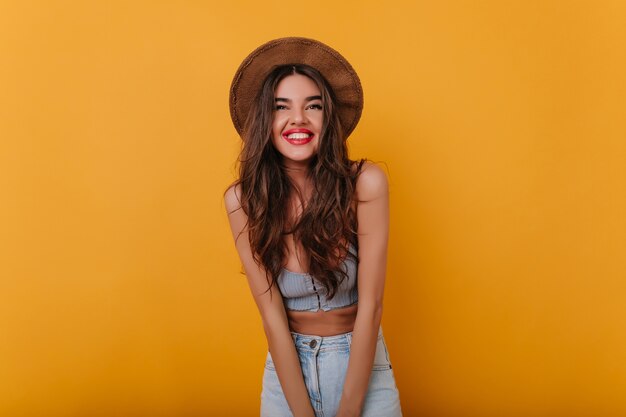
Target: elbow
(378,313)
(372,311)
(274,323)
(271,323)
(269,318)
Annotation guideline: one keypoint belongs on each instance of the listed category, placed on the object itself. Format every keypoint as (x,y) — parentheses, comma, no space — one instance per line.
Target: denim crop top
(302,292)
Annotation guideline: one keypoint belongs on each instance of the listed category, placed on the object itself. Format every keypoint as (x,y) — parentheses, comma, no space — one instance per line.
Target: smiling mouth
(299,138)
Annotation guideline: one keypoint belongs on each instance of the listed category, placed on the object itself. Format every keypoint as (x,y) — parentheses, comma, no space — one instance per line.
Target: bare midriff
(323,323)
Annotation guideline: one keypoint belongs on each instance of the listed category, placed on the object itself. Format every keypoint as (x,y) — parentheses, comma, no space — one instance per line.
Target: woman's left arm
(373,231)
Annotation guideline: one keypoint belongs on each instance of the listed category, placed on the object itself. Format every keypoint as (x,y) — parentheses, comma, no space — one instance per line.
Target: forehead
(296,86)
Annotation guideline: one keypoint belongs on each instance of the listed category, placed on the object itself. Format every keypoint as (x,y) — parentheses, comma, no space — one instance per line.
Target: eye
(280,107)
(316,106)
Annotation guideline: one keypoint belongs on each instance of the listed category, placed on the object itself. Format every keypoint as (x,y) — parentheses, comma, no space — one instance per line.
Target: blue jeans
(324,361)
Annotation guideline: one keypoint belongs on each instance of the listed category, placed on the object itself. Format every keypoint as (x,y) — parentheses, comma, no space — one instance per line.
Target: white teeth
(298,136)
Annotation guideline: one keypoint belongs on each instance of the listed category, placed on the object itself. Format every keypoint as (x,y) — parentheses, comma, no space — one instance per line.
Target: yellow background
(502,127)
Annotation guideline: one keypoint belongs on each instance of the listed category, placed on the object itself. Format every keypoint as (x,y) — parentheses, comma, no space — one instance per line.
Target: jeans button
(313,343)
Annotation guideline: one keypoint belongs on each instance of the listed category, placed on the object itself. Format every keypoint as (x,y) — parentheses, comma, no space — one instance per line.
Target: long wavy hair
(328,221)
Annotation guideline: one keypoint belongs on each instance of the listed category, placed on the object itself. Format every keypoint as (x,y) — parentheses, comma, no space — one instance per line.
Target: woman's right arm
(273,314)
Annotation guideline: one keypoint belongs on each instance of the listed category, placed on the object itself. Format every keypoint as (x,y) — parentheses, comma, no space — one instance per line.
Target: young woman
(311,229)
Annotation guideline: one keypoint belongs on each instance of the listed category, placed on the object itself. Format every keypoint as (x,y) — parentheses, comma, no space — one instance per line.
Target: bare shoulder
(232,198)
(372,182)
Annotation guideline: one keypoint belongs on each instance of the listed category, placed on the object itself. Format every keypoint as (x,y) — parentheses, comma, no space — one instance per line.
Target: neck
(297,173)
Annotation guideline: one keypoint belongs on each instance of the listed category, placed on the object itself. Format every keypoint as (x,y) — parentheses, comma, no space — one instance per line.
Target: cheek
(319,121)
(276,134)
(278,125)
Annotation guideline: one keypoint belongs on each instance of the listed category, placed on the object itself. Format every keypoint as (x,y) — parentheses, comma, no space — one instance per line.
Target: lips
(298,136)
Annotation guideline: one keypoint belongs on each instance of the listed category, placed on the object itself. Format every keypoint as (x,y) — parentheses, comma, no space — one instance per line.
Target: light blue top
(302,292)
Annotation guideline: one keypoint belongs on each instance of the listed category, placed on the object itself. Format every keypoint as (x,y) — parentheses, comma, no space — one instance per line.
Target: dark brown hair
(329,219)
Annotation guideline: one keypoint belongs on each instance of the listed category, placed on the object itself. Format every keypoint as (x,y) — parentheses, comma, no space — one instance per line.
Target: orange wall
(502,127)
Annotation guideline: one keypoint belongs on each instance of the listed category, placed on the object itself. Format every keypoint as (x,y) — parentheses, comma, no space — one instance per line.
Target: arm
(373,231)
(273,314)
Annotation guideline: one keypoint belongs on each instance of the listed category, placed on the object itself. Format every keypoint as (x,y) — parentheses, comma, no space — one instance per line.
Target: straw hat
(296,50)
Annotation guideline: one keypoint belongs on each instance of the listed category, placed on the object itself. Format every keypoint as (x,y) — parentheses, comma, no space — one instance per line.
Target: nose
(298,117)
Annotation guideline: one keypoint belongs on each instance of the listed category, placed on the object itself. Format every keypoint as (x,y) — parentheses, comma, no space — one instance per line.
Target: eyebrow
(288,100)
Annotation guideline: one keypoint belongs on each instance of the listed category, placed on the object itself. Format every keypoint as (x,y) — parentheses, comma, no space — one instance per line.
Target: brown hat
(295,50)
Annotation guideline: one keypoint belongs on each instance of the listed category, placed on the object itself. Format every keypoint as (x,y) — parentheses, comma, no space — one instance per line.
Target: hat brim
(342,78)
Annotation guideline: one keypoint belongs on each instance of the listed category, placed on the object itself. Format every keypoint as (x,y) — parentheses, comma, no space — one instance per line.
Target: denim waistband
(313,342)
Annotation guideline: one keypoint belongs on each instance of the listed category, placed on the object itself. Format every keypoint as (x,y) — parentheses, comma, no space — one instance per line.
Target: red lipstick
(299,139)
